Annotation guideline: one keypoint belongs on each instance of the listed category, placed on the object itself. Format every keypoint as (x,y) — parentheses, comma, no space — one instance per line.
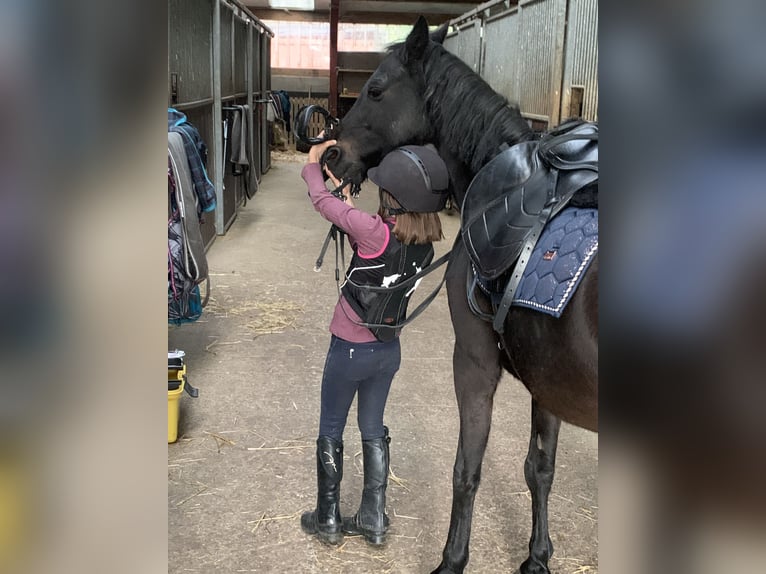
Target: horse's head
(390,110)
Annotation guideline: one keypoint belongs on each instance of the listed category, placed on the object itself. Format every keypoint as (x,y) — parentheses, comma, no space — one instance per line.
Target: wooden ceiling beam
(291,15)
(392,18)
(408,7)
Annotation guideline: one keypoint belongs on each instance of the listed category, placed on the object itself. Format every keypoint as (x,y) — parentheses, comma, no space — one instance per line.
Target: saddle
(511,199)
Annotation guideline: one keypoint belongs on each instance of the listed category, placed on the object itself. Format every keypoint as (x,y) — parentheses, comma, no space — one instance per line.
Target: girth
(511,199)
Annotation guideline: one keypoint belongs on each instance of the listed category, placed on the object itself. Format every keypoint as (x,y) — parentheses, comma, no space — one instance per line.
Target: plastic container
(176,384)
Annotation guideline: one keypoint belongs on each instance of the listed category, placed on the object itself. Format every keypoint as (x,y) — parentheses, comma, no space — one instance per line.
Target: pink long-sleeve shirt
(368,234)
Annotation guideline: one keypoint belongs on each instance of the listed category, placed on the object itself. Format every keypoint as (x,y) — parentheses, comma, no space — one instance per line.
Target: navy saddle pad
(566,248)
(562,255)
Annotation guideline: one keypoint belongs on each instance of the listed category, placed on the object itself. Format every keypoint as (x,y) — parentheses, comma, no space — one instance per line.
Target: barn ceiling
(361,11)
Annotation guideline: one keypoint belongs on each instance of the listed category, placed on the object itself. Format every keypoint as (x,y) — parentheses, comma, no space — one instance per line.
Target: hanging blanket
(187,263)
(196,153)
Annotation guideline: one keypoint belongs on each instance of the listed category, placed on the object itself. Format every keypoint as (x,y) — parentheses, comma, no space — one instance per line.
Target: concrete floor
(243,468)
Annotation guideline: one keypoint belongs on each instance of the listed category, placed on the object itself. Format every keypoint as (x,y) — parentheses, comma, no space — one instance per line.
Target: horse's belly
(557,359)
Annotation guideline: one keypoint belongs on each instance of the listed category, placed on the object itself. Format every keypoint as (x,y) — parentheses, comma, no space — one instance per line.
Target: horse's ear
(416,42)
(439,35)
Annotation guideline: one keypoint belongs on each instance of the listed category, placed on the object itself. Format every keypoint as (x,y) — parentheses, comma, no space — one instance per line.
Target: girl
(388,247)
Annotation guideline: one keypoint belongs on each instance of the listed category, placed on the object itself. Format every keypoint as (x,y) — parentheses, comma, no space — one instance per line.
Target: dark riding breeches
(364,369)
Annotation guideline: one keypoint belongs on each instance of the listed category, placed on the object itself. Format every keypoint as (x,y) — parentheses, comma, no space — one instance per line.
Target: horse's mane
(470,118)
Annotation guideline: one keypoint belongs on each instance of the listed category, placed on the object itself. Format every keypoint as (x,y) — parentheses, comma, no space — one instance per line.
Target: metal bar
(249,87)
(194,104)
(256,21)
(233,52)
(501,14)
(482,48)
(265,159)
(477,12)
(233,96)
(334,57)
(538,117)
(217,119)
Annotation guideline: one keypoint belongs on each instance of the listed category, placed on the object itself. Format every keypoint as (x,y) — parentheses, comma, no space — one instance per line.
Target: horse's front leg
(538,470)
(476,370)
(476,379)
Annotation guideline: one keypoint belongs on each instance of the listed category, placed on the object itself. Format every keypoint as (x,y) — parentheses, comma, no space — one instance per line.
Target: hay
(407,517)
(289,155)
(262,317)
(396,480)
(188,498)
(568,563)
(286,446)
(264,518)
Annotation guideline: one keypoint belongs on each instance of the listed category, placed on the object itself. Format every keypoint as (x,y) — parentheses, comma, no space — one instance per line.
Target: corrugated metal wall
(189,46)
(468,44)
(581,59)
(193,44)
(501,65)
(534,52)
(537,53)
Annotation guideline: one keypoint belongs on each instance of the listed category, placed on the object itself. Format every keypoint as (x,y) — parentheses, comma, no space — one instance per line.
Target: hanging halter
(303,120)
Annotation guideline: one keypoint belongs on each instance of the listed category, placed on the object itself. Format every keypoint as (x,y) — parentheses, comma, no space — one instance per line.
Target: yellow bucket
(14,512)
(175,376)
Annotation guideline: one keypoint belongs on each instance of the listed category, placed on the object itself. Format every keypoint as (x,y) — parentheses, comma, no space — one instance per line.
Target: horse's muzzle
(343,165)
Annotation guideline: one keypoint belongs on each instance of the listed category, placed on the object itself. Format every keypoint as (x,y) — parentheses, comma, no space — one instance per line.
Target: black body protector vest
(370,286)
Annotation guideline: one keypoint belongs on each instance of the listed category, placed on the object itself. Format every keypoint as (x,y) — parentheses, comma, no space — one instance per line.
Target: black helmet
(416,176)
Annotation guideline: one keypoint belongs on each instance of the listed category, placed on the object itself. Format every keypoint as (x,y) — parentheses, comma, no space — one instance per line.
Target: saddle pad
(565,249)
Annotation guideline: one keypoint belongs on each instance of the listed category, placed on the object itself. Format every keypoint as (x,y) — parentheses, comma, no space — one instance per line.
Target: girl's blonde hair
(410,228)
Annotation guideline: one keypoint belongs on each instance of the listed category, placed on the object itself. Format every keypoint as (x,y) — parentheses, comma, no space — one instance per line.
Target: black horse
(422,93)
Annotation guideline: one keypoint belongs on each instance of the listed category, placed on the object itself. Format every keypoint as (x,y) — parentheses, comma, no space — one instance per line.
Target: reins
(334,229)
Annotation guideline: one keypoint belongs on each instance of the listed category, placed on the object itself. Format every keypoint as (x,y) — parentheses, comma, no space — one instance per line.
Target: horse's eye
(374,93)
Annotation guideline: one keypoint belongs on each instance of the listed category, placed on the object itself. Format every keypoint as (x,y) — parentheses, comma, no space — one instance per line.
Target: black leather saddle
(524,183)
(511,199)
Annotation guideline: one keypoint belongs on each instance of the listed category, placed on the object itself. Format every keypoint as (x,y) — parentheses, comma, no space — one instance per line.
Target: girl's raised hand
(316,151)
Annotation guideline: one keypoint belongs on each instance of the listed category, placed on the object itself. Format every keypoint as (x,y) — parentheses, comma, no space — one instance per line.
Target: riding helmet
(416,176)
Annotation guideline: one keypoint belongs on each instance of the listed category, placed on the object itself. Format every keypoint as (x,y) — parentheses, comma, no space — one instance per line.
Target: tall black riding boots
(325,520)
(371,520)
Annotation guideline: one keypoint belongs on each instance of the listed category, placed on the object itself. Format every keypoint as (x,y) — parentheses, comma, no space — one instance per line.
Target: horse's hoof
(531,566)
(444,570)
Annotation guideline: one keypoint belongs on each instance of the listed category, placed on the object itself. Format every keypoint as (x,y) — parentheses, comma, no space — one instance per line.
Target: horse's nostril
(332,154)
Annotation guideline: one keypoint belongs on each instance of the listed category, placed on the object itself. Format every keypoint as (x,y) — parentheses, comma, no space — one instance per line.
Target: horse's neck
(459,174)
(462,162)
(475,149)
(470,128)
